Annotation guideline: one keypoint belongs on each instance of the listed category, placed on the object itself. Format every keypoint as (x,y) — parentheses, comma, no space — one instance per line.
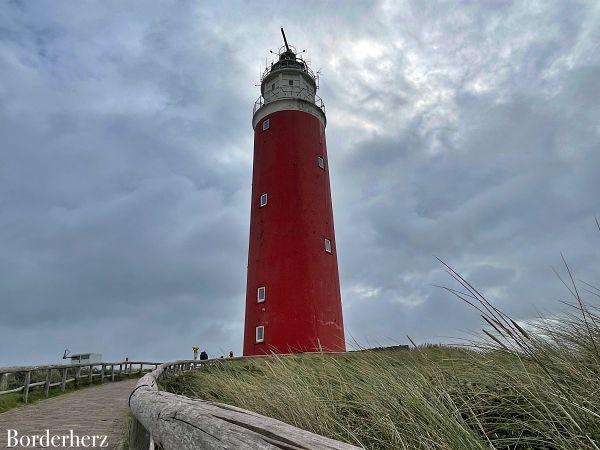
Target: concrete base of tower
(292,345)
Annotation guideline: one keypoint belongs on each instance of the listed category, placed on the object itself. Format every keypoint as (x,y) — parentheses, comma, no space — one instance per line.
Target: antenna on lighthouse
(287,47)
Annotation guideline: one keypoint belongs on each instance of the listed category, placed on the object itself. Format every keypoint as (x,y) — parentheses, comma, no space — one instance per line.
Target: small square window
(260,334)
(291,82)
(273,87)
(321,162)
(261,294)
(327,245)
(263,200)
(266,124)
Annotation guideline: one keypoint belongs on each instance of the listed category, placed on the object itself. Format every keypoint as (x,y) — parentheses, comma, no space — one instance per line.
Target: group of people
(203,354)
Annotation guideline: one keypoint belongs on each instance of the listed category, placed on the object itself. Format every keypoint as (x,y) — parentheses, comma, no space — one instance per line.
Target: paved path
(99,410)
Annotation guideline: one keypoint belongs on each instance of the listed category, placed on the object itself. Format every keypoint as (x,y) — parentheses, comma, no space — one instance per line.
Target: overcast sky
(468,131)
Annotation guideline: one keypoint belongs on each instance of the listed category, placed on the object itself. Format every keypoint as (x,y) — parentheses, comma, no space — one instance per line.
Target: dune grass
(519,387)
(127,436)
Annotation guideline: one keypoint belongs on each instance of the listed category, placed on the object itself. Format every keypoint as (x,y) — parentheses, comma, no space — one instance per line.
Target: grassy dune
(517,388)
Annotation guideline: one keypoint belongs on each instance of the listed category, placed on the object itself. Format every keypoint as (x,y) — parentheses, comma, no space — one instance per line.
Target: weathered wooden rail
(168,421)
(78,372)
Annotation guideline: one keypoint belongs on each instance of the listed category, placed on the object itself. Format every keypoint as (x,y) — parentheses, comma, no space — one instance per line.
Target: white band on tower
(288,104)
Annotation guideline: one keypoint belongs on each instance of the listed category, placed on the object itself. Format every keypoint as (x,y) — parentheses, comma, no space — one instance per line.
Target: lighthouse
(293,301)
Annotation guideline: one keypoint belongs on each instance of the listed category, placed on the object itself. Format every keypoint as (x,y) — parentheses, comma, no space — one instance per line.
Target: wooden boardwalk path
(98,410)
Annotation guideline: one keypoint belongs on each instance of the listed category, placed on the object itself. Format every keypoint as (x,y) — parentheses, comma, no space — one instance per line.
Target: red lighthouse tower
(293,301)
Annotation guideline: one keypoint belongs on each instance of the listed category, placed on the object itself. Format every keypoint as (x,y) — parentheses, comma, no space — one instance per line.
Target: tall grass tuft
(521,386)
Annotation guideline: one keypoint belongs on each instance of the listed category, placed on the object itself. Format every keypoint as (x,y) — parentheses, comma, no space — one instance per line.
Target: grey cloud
(460,130)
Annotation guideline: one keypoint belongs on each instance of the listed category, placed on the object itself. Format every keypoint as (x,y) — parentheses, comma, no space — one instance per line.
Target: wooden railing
(168,421)
(85,372)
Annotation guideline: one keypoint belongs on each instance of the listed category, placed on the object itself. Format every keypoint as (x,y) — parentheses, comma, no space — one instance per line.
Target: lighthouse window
(266,124)
(291,82)
(263,200)
(327,245)
(321,162)
(273,87)
(261,294)
(260,334)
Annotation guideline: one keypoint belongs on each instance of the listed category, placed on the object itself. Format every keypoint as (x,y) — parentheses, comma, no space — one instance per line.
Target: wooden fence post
(63,381)
(141,369)
(26,386)
(140,438)
(112,372)
(3,381)
(102,373)
(47,383)
(120,371)
(90,375)
(77,376)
